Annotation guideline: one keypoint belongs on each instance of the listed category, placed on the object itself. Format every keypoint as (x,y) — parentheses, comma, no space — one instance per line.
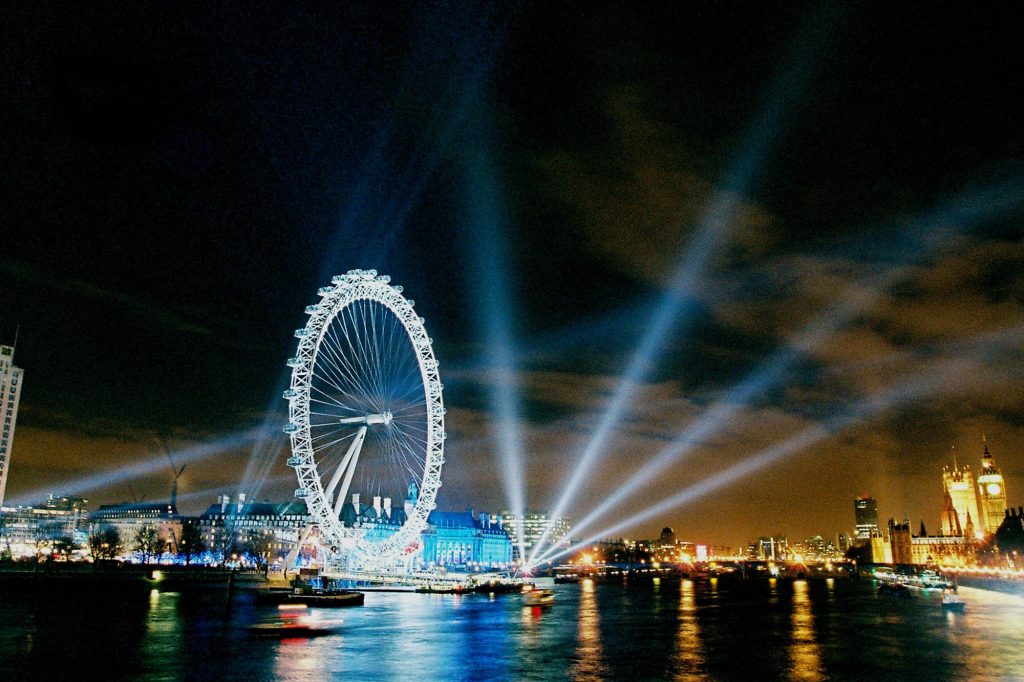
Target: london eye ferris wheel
(365,413)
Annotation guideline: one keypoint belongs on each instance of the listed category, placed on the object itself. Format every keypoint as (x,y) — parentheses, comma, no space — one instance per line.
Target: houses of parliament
(973,507)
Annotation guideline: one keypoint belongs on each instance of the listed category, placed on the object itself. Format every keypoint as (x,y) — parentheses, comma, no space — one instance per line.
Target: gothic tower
(958,486)
(991,493)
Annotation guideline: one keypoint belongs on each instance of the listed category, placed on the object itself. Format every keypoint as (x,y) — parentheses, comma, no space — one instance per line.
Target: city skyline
(174,203)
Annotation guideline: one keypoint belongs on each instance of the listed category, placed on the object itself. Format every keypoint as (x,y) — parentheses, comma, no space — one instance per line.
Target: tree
(43,537)
(191,543)
(226,541)
(258,547)
(105,543)
(64,545)
(147,542)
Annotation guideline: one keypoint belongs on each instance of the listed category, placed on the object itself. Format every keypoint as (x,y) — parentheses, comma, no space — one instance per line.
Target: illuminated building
(534,524)
(881,550)
(772,548)
(464,540)
(942,550)
(958,484)
(816,548)
(865,511)
(900,541)
(24,529)
(10,392)
(229,527)
(950,522)
(451,539)
(924,550)
(130,517)
(991,493)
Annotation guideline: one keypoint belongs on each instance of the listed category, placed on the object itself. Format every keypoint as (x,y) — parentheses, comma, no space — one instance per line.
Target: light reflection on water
(804,652)
(689,654)
(589,655)
(680,630)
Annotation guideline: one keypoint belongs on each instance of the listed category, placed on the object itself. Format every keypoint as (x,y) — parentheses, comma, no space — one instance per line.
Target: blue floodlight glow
(492,296)
(741,173)
(265,452)
(919,386)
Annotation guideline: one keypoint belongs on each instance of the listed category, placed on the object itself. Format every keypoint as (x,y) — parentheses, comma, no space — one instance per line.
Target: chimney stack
(376,505)
(241,502)
(355,502)
(224,500)
(387,507)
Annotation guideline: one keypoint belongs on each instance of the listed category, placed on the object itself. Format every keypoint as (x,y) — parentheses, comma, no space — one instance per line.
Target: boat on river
(538,597)
(951,601)
(320,598)
(293,621)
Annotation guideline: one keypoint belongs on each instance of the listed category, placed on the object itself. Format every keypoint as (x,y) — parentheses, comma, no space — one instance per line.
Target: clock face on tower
(993,488)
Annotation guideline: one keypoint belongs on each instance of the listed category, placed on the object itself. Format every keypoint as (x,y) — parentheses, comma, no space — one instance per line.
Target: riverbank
(106,576)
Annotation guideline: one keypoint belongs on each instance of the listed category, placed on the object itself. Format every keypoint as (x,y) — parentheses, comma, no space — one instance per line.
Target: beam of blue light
(918,239)
(741,174)
(148,466)
(264,453)
(919,386)
(459,55)
(492,295)
(571,336)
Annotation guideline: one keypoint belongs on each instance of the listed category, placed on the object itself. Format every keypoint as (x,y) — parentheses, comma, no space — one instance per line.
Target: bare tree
(191,543)
(258,546)
(64,546)
(43,537)
(147,543)
(105,543)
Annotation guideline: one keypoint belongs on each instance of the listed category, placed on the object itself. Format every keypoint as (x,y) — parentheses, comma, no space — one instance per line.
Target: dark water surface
(669,630)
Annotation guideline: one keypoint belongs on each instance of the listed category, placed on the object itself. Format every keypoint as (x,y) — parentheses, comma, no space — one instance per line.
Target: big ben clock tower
(991,492)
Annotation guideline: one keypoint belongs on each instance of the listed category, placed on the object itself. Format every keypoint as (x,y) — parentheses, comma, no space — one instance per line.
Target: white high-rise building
(534,524)
(10,392)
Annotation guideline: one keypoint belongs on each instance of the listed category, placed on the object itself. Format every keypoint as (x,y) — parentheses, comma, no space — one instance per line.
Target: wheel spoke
(366,410)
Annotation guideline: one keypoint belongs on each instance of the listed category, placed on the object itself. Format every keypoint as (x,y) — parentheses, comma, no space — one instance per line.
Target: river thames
(676,630)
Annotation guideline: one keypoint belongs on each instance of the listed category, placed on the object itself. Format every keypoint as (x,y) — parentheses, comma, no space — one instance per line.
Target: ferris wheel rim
(347,290)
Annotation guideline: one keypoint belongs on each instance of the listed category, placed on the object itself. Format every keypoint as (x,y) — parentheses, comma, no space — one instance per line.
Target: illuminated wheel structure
(365,414)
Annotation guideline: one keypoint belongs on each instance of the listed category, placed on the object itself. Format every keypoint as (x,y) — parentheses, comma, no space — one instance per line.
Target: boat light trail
(923,384)
(761,136)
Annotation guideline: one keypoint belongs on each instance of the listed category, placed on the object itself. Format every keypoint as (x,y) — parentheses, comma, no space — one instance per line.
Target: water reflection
(163,635)
(589,660)
(688,659)
(694,631)
(804,651)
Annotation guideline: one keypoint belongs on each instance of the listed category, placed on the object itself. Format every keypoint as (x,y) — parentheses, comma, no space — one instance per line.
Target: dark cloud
(177,187)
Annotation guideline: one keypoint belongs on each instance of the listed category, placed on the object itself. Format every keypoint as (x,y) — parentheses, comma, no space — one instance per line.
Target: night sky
(178,180)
